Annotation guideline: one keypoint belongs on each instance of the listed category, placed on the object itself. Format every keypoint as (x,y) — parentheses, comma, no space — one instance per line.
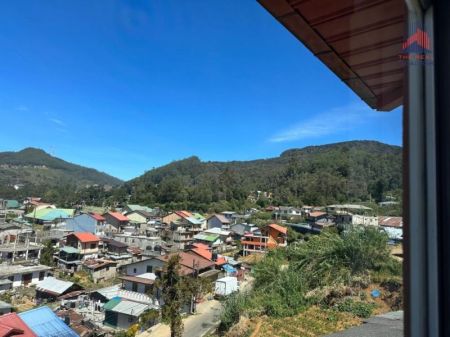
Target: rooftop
(12,325)
(86,237)
(44,323)
(54,286)
(9,270)
(118,216)
(126,307)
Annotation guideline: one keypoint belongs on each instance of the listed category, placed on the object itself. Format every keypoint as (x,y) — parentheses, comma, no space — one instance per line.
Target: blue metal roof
(44,323)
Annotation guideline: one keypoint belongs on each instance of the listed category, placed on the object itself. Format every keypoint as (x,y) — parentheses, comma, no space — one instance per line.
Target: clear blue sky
(124,86)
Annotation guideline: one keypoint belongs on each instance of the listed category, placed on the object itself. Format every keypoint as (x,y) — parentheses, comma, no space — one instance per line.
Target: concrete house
(219,221)
(116,220)
(21,275)
(140,217)
(86,222)
(86,243)
(100,269)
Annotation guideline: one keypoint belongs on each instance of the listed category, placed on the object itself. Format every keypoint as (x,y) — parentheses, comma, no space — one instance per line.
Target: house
(121,313)
(141,283)
(49,215)
(100,269)
(51,288)
(218,221)
(225,235)
(20,247)
(87,243)
(182,228)
(205,252)
(364,220)
(139,217)
(393,226)
(115,250)
(21,275)
(150,245)
(211,240)
(133,208)
(12,325)
(9,204)
(69,259)
(116,219)
(316,215)
(86,222)
(270,237)
(239,230)
(287,212)
(45,323)
(190,263)
(228,215)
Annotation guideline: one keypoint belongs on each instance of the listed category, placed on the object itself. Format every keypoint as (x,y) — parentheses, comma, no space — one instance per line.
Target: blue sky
(125,86)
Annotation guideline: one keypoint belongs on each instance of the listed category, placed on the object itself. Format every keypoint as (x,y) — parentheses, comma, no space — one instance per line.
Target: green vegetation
(44,175)
(172,295)
(319,175)
(357,171)
(331,270)
(47,254)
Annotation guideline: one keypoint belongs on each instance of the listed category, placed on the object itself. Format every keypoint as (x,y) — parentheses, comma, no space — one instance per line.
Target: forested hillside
(318,175)
(37,173)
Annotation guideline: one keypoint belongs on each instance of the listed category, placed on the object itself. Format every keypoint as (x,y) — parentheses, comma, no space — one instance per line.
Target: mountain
(36,171)
(319,175)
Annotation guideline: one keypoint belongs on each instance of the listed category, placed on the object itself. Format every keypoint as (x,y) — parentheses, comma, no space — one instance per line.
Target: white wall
(141,267)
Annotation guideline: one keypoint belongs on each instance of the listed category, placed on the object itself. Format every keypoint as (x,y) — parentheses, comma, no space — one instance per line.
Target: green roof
(112,303)
(140,208)
(70,250)
(50,214)
(12,204)
(206,237)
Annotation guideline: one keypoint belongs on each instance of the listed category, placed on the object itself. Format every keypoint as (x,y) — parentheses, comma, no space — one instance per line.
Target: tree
(47,254)
(171,289)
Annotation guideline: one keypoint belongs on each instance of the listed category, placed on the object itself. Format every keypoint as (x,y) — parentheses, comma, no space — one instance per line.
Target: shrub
(360,309)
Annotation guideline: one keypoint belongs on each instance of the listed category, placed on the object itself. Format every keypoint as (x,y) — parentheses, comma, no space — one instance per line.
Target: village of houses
(106,263)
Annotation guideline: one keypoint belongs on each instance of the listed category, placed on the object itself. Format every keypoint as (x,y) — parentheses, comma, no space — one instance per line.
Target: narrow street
(197,325)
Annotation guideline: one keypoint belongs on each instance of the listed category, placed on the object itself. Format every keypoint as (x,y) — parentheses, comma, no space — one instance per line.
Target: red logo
(419,42)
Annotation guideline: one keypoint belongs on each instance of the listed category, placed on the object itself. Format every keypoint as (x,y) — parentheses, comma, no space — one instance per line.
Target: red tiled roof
(278,228)
(118,216)
(86,237)
(97,216)
(12,325)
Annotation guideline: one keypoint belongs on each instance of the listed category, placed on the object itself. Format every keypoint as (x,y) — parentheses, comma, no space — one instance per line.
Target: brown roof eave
(293,21)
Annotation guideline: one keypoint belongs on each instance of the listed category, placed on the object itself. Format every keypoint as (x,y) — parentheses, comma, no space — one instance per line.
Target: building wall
(364,220)
(17,278)
(82,223)
(140,267)
(125,321)
(170,218)
(128,285)
(214,222)
(103,273)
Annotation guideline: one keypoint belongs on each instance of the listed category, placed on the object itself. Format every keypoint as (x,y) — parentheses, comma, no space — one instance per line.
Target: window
(41,275)
(134,270)
(93,246)
(134,286)
(149,269)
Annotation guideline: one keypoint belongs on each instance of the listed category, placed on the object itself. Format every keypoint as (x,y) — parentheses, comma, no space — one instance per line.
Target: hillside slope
(341,172)
(37,171)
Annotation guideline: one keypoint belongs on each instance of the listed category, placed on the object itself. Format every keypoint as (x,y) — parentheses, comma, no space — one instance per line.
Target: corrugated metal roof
(45,323)
(116,291)
(70,250)
(206,237)
(126,307)
(53,285)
